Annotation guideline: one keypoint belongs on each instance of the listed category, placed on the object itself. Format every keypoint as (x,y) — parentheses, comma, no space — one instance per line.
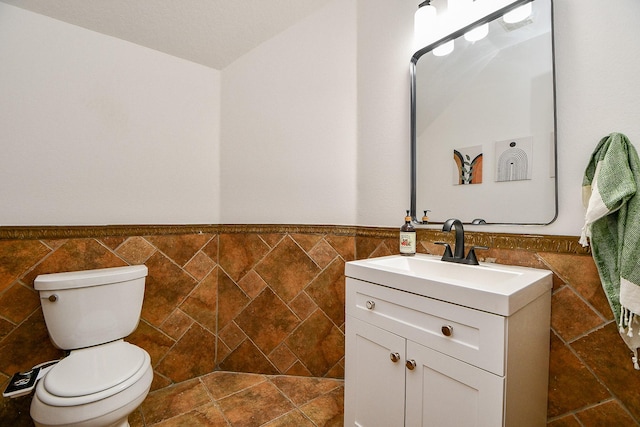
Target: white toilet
(103,379)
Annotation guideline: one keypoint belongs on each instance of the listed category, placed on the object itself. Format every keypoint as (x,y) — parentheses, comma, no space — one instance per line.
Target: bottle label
(408,242)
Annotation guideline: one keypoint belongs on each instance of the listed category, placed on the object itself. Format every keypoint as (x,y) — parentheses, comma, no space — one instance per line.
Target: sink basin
(494,288)
(436,269)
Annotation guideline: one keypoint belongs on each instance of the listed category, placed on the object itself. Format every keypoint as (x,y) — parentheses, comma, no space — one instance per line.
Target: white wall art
(514,159)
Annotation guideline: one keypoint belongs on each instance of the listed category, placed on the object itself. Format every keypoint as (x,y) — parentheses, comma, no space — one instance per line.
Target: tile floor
(244,400)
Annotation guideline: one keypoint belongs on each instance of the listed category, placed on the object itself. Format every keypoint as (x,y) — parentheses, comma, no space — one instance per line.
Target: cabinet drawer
(473,336)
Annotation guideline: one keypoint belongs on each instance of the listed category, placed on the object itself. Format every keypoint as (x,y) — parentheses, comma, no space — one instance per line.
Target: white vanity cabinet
(416,360)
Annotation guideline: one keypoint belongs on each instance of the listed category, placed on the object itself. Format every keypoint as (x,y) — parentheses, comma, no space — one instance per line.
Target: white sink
(494,288)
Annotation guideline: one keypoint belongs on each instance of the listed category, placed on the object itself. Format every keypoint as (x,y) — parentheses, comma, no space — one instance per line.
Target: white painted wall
(95,130)
(385,42)
(597,70)
(315,121)
(289,125)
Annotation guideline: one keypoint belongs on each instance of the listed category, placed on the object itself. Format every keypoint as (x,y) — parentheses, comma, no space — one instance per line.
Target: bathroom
(282,164)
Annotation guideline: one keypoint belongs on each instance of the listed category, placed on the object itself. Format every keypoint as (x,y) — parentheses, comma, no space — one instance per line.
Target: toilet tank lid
(79,279)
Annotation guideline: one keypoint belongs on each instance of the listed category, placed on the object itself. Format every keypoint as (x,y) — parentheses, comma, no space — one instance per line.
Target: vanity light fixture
(423,23)
(518,14)
(426,19)
(478,33)
(455,10)
(444,49)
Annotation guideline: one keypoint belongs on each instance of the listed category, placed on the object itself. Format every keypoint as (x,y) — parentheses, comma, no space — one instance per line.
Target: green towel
(612,224)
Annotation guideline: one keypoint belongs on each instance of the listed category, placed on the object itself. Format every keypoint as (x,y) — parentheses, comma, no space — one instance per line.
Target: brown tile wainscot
(269,300)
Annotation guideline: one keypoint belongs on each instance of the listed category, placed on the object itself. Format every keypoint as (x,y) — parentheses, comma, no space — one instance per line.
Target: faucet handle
(471,256)
(447,249)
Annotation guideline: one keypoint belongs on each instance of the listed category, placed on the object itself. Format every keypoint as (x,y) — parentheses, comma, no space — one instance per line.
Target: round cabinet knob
(447,330)
(53,298)
(370,304)
(411,364)
(394,357)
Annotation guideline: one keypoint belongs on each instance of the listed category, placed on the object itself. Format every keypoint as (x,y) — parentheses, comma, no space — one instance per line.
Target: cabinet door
(443,391)
(374,383)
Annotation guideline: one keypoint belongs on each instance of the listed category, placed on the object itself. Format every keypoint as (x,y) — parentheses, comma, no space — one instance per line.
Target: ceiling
(213,33)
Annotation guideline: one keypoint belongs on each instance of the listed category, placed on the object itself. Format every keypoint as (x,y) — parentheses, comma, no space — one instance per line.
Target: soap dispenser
(425,218)
(407,237)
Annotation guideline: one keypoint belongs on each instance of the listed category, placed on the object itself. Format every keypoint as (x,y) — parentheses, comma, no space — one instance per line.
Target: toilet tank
(91,307)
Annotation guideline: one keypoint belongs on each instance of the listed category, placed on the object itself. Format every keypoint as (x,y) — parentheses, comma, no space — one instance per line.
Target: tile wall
(270,300)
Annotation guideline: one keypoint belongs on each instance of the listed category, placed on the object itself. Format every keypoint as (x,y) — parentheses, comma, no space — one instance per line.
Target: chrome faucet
(458,255)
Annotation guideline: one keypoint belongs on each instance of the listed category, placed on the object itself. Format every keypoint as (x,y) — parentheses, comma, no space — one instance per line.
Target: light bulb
(444,49)
(478,33)
(518,14)
(423,23)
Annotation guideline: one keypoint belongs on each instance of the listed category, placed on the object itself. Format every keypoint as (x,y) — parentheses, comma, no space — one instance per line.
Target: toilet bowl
(104,378)
(98,386)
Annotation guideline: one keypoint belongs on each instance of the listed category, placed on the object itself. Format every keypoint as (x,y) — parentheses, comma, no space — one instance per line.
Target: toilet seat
(111,411)
(95,373)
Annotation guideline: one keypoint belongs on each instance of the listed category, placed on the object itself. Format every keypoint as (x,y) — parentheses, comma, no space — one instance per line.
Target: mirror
(483,124)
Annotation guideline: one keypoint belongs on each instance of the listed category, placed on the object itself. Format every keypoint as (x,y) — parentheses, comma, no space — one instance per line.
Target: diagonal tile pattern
(281,303)
(17,257)
(267,321)
(239,253)
(287,269)
(272,303)
(167,286)
(244,400)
